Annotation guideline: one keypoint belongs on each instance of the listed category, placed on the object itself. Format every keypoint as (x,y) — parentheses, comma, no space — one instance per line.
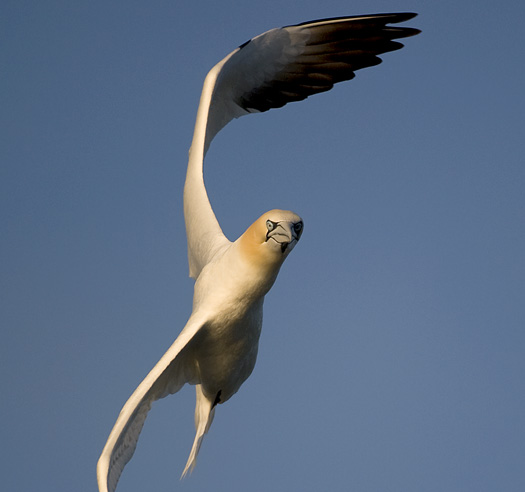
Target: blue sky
(392,354)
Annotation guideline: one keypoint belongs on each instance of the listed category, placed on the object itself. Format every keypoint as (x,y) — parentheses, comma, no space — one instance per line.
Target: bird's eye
(298,227)
(270,225)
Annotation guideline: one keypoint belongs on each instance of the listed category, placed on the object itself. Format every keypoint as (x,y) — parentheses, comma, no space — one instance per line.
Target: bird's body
(230,291)
(217,349)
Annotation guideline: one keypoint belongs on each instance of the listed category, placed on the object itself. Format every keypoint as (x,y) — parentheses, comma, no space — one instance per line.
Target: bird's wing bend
(172,371)
(269,71)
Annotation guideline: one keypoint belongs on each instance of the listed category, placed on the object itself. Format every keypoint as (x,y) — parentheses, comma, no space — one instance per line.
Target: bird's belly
(227,353)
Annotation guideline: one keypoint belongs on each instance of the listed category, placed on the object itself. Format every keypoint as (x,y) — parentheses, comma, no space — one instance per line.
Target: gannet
(217,349)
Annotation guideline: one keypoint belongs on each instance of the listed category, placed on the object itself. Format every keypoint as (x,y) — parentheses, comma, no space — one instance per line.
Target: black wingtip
(402,16)
(403,32)
(388,18)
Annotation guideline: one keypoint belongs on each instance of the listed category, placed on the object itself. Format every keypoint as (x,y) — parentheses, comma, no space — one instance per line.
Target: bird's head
(271,237)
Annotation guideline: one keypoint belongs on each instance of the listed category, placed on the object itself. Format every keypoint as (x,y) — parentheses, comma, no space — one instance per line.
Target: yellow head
(269,240)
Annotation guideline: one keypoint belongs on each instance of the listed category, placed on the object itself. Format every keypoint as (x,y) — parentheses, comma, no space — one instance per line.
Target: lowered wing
(173,370)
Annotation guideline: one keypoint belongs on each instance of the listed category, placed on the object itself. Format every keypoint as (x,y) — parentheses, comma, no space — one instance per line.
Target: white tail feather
(204,412)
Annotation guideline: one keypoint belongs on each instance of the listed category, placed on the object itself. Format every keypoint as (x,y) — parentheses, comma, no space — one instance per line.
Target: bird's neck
(261,263)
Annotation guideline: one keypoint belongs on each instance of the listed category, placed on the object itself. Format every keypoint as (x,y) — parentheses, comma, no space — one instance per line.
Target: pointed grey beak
(284,233)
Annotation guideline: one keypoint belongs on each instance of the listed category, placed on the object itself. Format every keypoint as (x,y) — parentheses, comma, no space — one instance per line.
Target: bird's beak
(284,234)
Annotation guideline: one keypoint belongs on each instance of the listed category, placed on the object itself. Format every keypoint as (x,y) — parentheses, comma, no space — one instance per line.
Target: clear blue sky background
(392,356)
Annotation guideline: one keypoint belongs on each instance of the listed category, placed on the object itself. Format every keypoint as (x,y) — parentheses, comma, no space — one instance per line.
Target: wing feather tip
(392,18)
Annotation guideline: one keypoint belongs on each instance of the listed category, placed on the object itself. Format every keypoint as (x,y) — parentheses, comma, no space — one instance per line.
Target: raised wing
(269,71)
(294,62)
(173,370)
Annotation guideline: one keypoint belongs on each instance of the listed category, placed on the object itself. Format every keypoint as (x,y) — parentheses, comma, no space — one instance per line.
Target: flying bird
(217,349)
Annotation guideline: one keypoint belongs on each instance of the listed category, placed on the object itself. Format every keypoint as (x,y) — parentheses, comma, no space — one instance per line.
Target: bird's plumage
(217,349)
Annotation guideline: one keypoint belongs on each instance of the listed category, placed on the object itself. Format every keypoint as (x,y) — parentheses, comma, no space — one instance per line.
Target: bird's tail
(204,412)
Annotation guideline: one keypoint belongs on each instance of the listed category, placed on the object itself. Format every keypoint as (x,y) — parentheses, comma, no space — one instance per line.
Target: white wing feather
(173,370)
(270,70)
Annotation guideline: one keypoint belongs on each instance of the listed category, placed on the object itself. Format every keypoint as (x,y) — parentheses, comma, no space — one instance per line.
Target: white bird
(217,348)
